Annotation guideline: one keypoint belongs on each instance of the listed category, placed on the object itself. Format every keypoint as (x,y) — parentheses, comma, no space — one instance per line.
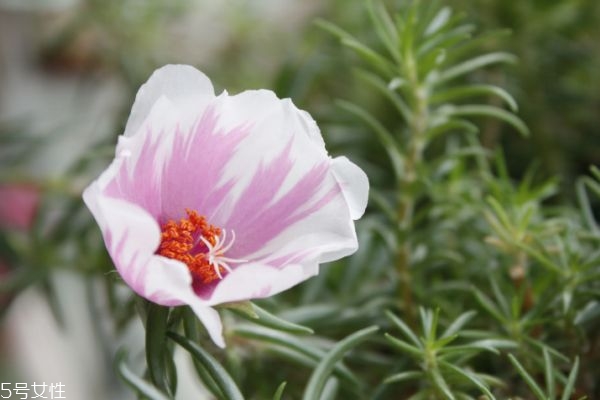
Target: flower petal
(132,236)
(354,184)
(186,87)
(212,322)
(283,200)
(255,281)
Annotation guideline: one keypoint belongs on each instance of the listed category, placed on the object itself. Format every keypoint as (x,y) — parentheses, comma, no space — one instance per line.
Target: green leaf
(385,205)
(243,308)
(221,377)
(549,374)
(441,385)
(451,125)
(429,321)
(407,34)
(489,305)
(384,27)
(442,342)
(492,112)
(474,64)
(491,345)
(156,331)
(279,392)
(481,385)
(499,296)
(475,44)
(445,40)
(384,136)
(192,331)
(377,83)
(330,390)
(500,212)
(291,343)
(138,384)
(462,92)
(458,323)
(403,376)
(584,203)
(571,381)
(376,60)
(267,319)
(528,378)
(405,347)
(372,57)
(320,375)
(438,21)
(404,328)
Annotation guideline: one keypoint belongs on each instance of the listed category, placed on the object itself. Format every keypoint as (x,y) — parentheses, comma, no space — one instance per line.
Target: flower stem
(417,129)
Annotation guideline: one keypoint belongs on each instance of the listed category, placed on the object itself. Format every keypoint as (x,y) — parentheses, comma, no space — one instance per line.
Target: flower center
(199,245)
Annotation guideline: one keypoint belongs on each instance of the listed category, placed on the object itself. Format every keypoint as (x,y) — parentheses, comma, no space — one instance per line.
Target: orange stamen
(178,240)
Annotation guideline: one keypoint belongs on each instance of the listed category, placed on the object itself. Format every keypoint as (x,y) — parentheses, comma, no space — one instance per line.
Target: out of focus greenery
(479,252)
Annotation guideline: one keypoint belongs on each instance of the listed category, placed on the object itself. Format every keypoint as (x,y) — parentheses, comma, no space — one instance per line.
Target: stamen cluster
(190,241)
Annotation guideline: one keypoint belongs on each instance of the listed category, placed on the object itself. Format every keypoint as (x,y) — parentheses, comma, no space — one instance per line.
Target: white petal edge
(266,281)
(212,322)
(354,184)
(189,89)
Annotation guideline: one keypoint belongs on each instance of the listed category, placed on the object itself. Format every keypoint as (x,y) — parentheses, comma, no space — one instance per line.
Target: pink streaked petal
(320,237)
(190,175)
(206,151)
(258,219)
(131,236)
(280,173)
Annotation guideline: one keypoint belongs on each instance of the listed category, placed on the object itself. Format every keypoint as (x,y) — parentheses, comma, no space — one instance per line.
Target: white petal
(354,184)
(252,281)
(212,322)
(311,128)
(186,87)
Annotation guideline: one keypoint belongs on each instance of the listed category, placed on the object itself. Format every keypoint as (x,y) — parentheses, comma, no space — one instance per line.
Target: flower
(216,199)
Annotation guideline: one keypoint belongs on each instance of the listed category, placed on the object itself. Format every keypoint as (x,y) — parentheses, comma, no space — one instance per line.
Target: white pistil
(215,253)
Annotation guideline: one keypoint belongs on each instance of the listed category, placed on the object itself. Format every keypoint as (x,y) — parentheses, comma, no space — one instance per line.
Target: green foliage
(440,362)
(136,383)
(461,259)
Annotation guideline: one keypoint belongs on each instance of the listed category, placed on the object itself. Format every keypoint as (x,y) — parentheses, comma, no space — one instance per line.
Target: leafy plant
(469,280)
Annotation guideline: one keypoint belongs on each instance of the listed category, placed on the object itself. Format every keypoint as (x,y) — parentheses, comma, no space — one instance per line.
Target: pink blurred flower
(18,205)
(215,199)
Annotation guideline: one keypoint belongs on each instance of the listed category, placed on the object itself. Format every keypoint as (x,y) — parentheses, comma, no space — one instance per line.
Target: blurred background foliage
(479,253)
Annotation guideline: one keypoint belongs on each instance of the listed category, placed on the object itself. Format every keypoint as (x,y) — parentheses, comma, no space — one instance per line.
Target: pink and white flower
(215,199)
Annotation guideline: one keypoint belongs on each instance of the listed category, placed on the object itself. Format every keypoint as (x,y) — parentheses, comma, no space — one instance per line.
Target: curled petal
(354,184)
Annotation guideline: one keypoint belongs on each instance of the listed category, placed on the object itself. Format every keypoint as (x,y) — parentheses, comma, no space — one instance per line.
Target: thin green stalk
(419,107)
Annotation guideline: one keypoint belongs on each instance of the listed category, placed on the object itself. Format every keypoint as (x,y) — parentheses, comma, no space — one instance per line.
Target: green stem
(413,159)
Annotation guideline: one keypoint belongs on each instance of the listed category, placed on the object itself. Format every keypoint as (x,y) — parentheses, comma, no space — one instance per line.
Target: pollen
(192,241)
